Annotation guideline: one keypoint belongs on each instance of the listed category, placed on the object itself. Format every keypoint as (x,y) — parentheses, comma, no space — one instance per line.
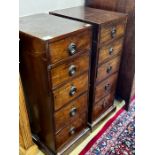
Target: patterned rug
(117,137)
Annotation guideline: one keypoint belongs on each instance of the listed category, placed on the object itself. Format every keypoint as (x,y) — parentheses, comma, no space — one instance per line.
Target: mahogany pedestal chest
(125,85)
(54,68)
(108,34)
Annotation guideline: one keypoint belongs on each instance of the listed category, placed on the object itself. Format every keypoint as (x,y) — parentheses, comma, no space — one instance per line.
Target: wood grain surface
(101,106)
(105,87)
(110,50)
(108,68)
(62,73)
(71,112)
(82,41)
(127,67)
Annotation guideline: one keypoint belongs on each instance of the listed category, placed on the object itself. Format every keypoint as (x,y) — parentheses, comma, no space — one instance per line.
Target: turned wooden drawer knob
(72,49)
(109,69)
(73,112)
(110,50)
(107,87)
(72,90)
(72,70)
(113,32)
(72,131)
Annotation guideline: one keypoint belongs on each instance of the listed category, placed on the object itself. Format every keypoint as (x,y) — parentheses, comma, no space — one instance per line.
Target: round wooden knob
(72,48)
(110,50)
(107,87)
(72,70)
(109,69)
(72,131)
(113,32)
(73,112)
(72,90)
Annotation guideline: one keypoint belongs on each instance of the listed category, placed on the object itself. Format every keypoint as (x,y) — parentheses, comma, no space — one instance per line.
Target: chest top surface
(47,27)
(91,15)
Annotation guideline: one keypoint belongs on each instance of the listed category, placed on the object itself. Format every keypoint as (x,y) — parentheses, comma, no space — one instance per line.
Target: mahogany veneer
(54,67)
(125,86)
(108,34)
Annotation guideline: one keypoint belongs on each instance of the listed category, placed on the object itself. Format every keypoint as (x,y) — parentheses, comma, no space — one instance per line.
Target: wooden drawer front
(71,45)
(105,87)
(108,68)
(101,106)
(71,130)
(69,69)
(70,90)
(108,51)
(70,112)
(112,31)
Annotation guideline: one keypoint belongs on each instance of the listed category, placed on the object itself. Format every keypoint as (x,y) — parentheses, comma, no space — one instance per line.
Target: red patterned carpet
(117,137)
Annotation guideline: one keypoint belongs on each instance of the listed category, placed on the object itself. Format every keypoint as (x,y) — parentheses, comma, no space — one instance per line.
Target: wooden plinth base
(67,148)
(97,122)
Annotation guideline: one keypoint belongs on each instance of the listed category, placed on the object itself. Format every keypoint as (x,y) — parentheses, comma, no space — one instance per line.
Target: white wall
(27,7)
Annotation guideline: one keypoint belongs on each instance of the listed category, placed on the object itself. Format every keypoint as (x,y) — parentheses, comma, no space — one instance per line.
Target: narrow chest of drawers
(54,67)
(108,34)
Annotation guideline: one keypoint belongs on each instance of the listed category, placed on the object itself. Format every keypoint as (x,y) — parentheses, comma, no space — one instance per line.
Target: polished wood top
(90,15)
(48,27)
